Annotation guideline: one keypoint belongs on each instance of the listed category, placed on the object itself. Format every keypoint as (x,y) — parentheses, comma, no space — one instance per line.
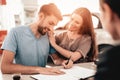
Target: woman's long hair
(88,29)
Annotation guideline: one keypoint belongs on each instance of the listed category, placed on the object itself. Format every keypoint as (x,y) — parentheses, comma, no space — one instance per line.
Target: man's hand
(51,71)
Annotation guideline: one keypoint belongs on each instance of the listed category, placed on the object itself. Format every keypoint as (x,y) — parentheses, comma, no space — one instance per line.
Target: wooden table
(27,77)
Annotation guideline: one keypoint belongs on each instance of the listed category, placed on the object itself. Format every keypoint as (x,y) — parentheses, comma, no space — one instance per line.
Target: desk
(27,77)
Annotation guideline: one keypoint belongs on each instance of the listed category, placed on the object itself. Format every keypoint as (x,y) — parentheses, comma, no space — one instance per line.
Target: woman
(77,43)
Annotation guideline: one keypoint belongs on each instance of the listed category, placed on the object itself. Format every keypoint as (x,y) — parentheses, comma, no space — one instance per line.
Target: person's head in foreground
(108,67)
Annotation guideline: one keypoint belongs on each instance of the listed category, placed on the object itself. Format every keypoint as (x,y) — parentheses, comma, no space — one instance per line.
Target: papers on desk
(75,73)
(1,75)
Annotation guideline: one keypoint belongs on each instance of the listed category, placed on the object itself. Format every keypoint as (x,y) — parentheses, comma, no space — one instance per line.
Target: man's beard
(42,30)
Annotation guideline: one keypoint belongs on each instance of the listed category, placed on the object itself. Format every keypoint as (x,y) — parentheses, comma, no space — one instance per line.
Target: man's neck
(34,30)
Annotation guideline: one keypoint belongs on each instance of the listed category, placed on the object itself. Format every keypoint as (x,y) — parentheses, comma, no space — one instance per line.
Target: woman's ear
(108,14)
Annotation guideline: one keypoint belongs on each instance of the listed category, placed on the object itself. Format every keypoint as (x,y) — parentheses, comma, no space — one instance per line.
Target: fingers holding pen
(67,64)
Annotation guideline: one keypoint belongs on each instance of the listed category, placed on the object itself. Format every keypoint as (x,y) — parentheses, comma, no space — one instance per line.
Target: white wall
(67,6)
(15,7)
(8,11)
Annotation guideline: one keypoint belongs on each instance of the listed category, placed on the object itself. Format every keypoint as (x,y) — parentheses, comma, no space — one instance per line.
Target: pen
(86,77)
(33,78)
(68,60)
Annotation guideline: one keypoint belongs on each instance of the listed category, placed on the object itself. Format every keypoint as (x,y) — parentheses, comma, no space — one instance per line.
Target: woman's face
(76,22)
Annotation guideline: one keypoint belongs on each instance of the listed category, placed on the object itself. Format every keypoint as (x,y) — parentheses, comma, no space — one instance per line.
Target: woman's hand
(51,38)
(69,65)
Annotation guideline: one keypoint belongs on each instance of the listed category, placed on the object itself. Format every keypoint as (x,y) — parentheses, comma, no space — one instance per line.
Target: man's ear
(108,12)
(41,16)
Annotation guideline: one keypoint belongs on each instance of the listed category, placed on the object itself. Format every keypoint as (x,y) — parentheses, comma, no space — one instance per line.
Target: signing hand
(69,65)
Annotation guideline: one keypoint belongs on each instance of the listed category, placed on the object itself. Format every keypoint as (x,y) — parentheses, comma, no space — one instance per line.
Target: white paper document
(74,73)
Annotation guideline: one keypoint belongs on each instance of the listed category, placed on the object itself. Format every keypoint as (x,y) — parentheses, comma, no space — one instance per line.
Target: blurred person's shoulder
(108,64)
(113,51)
(111,55)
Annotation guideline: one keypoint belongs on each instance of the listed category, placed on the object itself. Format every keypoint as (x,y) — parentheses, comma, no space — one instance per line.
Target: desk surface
(27,77)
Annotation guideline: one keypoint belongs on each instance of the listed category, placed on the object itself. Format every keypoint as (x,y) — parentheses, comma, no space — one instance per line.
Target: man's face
(46,24)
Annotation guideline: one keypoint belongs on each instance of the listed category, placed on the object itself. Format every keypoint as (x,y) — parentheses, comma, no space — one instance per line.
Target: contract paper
(74,73)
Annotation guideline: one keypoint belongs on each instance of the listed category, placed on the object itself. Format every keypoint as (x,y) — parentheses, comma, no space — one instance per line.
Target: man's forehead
(54,20)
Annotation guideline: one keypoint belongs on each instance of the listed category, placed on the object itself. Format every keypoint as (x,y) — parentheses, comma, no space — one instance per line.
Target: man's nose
(51,27)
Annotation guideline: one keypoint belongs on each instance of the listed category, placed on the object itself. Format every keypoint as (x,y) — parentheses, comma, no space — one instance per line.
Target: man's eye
(48,29)
(51,23)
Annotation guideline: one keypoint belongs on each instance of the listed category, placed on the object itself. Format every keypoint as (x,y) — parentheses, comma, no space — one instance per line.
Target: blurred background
(23,12)
(20,12)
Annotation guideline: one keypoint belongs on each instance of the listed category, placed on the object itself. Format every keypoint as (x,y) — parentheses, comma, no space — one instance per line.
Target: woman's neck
(73,35)
(73,32)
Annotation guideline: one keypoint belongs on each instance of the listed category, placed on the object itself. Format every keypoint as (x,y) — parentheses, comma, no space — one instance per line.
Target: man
(29,45)
(108,67)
